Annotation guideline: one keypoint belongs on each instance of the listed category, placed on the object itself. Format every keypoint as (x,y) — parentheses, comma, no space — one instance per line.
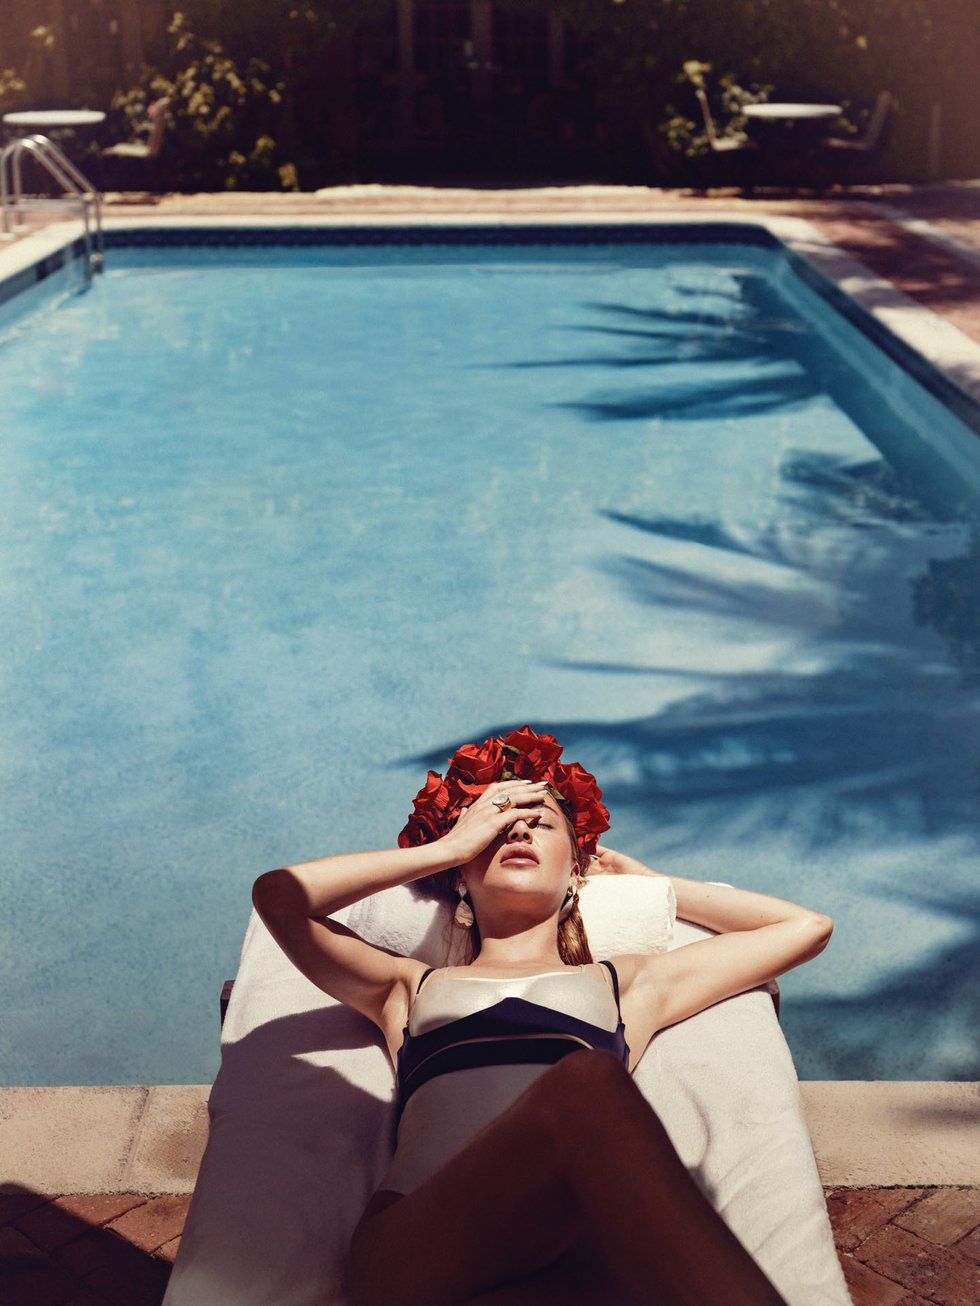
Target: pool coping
(150,1138)
(938,354)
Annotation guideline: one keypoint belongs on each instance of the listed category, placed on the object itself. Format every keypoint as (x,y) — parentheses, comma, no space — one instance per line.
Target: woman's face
(532,862)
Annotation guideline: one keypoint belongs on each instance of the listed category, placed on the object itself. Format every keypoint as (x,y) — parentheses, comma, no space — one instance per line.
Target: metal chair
(845,155)
(150,148)
(133,165)
(732,147)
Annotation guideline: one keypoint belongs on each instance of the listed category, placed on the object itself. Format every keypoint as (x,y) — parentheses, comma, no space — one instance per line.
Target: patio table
(792,113)
(48,119)
(789,136)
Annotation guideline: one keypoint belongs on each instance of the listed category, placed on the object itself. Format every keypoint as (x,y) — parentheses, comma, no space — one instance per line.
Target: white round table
(792,112)
(47,119)
(789,137)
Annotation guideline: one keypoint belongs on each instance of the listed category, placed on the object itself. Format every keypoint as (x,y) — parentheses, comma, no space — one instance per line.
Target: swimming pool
(284,522)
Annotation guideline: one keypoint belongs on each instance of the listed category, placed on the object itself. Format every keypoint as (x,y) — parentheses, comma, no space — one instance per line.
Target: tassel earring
(464,912)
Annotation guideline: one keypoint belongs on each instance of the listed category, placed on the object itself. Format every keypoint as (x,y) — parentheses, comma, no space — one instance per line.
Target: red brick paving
(88,1249)
(870,1289)
(908,1246)
(970,1245)
(945,1216)
(18,1202)
(857,1212)
(153,1224)
(936,1274)
(933,274)
(57,1222)
(898,1246)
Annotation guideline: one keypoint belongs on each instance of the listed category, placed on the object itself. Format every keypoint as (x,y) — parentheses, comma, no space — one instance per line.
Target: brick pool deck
(110,1236)
(898,1246)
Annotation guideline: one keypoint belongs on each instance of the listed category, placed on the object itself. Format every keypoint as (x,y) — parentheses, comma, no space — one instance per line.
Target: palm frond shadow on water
(920,1024)
(874,736)
(869,735)
(658,339)
(783,364)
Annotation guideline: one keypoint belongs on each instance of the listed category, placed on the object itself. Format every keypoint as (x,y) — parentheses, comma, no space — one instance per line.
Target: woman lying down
(528,1167)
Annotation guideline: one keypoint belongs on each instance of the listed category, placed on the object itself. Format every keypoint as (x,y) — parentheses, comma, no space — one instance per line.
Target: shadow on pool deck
(898,1246)
(93,1249)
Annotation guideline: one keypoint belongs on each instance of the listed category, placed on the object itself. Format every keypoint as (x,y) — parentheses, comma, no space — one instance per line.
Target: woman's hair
(573,943)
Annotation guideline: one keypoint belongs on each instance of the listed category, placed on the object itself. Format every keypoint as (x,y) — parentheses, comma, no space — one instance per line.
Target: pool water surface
(281,527)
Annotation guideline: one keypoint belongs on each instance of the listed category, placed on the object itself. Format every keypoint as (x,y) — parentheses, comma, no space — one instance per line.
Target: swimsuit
(473,1044)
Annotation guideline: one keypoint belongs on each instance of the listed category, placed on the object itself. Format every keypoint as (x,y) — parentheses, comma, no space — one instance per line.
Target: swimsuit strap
(615,980)
(425,976)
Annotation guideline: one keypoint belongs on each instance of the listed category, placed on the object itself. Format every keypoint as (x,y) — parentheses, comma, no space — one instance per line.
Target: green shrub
(221,133)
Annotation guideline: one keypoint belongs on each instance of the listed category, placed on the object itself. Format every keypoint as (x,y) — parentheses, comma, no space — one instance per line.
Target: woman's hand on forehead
(483,821)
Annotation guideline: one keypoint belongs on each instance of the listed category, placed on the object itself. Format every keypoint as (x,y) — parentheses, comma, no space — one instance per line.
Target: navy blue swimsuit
(511,1032)
(479,1043)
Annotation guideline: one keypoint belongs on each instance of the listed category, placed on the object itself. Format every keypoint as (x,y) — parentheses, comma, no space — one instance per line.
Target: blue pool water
(280,527)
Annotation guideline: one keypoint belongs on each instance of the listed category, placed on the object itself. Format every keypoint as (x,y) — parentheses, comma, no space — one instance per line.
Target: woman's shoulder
(631,966)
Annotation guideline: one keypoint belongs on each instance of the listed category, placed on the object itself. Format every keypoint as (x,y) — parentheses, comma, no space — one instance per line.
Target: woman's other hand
(483,821)
(608,862)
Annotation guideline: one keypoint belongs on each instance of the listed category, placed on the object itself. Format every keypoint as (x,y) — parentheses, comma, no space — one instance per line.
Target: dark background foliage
(275,93)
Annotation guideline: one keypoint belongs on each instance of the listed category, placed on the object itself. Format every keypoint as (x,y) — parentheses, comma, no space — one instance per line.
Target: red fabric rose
(431,816)
(474,766)
(531,756)
(583,797)
(418,830)
(522,754)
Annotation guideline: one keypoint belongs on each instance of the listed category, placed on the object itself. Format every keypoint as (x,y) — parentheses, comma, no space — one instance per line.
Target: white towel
(623,913)
(302,1115)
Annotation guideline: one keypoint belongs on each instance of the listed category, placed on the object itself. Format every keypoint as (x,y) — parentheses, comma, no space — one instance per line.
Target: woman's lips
(524,855)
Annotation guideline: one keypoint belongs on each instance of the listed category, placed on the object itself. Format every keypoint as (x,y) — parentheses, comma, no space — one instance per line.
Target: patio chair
(731,147)
(846,156)
(302,1114)
(138,154)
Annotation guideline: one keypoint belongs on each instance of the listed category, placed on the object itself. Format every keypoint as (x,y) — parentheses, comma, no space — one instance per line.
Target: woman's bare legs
(579,1277)
(581,1151)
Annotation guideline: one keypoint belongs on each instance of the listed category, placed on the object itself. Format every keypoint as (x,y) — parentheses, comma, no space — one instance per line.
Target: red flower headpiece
(521,755)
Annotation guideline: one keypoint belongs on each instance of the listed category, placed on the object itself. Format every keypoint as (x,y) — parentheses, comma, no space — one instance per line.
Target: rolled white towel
(622,914)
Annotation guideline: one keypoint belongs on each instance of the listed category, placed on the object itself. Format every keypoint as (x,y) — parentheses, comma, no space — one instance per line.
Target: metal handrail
(56,163)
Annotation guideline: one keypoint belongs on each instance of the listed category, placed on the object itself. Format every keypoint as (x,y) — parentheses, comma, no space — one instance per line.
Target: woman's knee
(583,1079)
(584,1074)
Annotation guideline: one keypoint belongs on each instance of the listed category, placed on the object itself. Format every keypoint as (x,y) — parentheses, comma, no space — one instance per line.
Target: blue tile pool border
(224,235)
(949,394)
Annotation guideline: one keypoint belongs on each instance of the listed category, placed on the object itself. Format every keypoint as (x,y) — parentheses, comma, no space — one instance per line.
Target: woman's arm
(757,938)
(293,901)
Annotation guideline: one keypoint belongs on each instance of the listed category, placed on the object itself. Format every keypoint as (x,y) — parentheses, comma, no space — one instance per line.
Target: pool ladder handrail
(77,186)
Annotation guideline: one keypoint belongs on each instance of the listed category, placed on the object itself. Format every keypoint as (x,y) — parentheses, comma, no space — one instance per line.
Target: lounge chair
(302,1115)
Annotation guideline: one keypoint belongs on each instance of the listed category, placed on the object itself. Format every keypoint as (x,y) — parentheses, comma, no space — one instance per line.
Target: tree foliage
(222,113)
(270,93)
(844,51)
